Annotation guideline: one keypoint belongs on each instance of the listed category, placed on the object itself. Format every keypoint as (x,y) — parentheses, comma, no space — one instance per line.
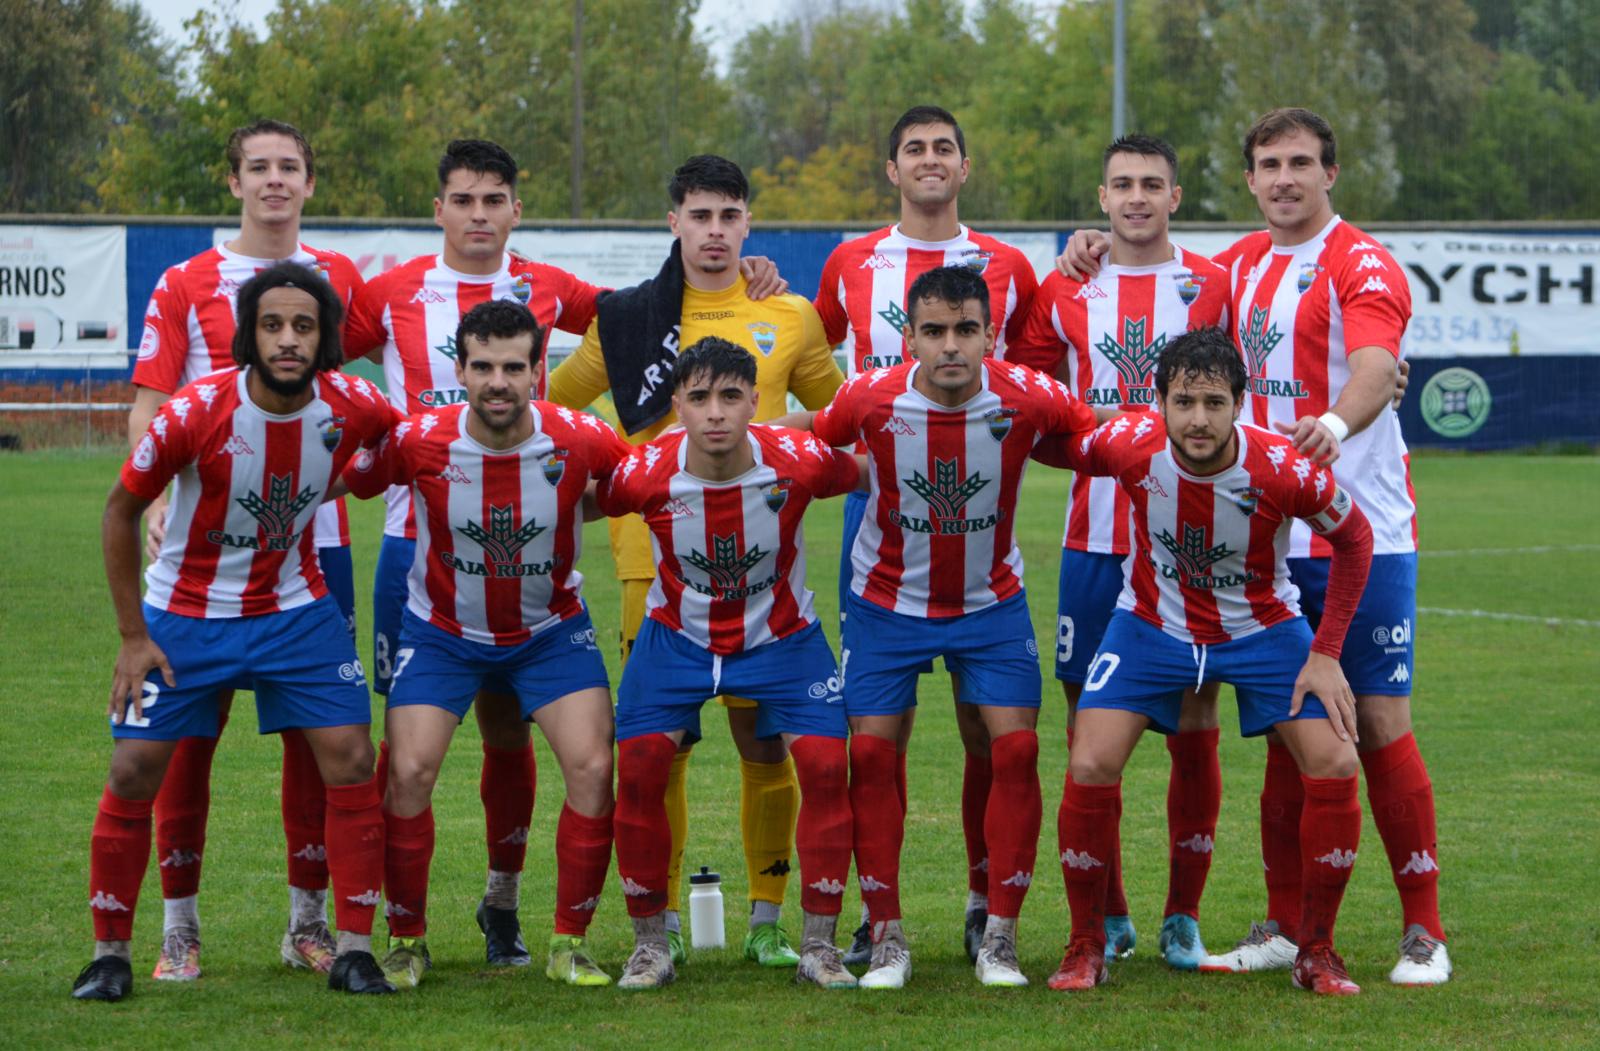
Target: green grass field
(1506,711)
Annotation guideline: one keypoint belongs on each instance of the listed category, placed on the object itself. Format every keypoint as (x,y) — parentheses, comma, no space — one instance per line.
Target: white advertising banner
(63,296)
(1476,294)
(608,258)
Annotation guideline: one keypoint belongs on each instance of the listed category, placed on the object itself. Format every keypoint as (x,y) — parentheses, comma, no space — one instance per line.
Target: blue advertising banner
(1502,402)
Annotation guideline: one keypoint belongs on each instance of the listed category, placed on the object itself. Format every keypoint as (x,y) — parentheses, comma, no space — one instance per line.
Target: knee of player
(1382,720)
(346,758)
(1331,763)
(133,776)
(1090,768)
(590,769)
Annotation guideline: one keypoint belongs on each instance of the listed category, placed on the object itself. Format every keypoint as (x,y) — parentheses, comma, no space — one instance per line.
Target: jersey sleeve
(838,423)
(577,302)
(364,330)
(1027,285)
(582,378)
(1107,450)
(1065,413)
(622,492)
(835,322)
(167,446)
(373,470)
(1316,497)
(609,448)
(164,347)
(1374,299)
(1036,343)
(815,377)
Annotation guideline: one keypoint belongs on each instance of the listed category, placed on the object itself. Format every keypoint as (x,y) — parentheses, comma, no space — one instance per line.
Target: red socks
(1011,820)
(644,841)
(1401,797)
(975,781)
(880,822)
(407,853)
(824,830)
(354,822)
(1330,831)
(1282,796)
(583,855)
(506,787)
(119,852)
(303,799)
(181,808)
(1194,799)
(1086,829)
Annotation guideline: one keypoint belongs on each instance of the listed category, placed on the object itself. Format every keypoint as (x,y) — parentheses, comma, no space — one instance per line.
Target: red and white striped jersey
(500,531)
(938,537)
(730,557)
(246,485)
(1297,313)
(412,313)
(189,327)
(1106,334)
(865,281)
(1208,562)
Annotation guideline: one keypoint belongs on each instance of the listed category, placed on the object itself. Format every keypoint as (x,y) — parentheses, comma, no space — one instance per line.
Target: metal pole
(577,109)
(1119,61)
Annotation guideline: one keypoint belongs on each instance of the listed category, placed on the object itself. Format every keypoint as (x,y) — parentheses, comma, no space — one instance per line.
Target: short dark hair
(952,285)
(235,150)
(330,312)
(923,115)
(498,319)
(706,172)
(1205,352)
(1284,121)
(1144,146)
(479,156)
(716,358)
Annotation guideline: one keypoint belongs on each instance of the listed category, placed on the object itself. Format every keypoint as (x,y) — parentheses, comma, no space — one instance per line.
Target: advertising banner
(63,296)
(1480,294)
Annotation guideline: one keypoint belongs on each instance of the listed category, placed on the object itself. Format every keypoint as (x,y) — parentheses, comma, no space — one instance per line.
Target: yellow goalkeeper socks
(768,800)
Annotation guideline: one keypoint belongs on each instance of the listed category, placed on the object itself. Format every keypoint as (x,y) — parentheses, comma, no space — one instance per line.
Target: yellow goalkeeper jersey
(792,356)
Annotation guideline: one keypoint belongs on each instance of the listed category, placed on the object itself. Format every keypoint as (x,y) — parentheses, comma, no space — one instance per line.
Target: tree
(74,71)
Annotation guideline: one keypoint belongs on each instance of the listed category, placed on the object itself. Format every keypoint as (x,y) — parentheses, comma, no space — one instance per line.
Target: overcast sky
(721,22)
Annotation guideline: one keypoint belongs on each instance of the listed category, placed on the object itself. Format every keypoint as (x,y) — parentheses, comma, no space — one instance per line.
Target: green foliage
(1453,109)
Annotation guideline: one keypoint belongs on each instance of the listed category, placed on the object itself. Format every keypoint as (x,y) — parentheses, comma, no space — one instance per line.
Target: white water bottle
(705,910)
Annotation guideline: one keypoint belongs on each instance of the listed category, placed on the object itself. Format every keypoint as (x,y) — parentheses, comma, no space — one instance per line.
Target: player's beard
(285,388)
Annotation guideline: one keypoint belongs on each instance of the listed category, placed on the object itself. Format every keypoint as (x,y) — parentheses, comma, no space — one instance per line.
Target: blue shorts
(668,678)
(992,653)
(1090,584)
(339,574)
(1142,669)
(855,509)
(300,663)
(432,666)
(1377,655)
(388,605)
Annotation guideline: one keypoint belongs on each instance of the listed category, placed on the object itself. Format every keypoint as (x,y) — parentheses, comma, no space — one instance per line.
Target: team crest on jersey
(522,289)
(1189,287)
(977,262)
(331,429)
(1308,274)
(555,465)
(777,494)
(765,335)
(999,421)
(1246,499)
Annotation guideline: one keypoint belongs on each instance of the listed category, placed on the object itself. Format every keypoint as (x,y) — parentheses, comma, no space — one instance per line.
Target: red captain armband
(1334,515)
